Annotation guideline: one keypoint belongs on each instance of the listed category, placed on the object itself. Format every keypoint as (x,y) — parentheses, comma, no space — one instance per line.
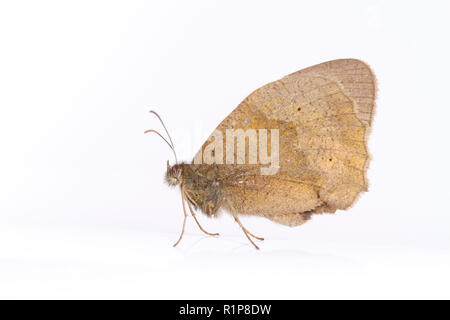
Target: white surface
(84,212)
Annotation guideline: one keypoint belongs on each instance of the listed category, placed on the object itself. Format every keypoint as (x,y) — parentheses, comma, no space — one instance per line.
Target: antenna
(171,145)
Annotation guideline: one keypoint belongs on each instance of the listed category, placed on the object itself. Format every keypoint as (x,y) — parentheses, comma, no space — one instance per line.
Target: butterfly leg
(184,221)
(251,234)
(258,238)
(198,223)
(246,232)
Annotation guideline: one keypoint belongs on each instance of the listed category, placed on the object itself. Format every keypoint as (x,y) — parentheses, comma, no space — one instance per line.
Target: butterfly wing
(323,114)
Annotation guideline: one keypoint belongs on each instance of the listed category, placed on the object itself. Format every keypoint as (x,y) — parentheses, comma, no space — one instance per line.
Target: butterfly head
(173,174)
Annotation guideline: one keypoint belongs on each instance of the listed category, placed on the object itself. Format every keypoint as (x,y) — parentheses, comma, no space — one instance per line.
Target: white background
(84,212)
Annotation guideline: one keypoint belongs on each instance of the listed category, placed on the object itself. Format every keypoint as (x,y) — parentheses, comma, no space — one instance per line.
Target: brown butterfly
(293,148)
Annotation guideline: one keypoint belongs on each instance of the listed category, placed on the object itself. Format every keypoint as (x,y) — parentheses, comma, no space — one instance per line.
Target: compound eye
(176,171)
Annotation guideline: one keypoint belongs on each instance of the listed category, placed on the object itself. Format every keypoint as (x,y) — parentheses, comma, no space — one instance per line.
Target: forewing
(323,114)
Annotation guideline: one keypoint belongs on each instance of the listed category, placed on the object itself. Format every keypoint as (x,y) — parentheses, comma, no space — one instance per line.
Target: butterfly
(293,148)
